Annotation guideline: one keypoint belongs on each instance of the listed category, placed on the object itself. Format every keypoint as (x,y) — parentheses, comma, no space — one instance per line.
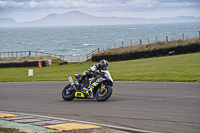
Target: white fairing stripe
(107,72)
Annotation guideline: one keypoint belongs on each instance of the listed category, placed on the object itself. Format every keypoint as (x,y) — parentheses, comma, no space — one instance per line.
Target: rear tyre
(68,95)
(103,96)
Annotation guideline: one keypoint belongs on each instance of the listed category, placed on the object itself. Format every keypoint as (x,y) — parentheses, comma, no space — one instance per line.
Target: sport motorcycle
(96,86)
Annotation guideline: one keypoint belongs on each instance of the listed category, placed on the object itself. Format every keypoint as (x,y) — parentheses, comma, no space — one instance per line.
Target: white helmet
(104,64)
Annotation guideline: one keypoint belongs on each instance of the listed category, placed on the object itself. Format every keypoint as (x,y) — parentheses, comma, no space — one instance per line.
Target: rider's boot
(80,84)
(79,81)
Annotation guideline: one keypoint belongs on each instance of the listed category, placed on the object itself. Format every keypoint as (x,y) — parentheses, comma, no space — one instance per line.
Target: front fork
(102,87)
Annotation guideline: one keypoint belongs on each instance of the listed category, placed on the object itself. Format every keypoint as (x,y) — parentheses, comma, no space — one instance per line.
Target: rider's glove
(102,73)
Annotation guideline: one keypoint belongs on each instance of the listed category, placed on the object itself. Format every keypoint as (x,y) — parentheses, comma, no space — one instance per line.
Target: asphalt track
(150,106)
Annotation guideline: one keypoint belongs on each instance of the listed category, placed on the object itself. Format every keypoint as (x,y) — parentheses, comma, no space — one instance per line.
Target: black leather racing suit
(94,69)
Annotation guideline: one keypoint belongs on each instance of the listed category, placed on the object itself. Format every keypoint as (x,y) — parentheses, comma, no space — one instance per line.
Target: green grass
(149,47)
(177,68)
(181,68)
(9,130)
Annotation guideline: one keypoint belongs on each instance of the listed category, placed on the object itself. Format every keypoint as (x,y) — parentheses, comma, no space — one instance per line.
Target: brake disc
(101,94)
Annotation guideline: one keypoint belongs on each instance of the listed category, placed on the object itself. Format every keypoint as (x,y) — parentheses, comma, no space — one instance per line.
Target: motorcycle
(99,87)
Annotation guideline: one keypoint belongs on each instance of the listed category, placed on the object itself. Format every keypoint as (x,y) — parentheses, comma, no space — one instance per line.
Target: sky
(30,10)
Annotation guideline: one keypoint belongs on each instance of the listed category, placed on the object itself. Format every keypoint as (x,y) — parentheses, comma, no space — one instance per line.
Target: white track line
(104,125)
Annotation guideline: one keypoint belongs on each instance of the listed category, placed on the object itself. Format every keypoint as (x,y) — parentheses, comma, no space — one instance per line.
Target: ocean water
(76,42)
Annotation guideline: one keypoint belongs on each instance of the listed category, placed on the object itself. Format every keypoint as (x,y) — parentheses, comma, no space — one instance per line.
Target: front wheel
(103,96)
(68,95)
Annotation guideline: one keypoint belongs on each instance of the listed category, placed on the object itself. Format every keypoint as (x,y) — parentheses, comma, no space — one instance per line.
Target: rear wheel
(68,95)
(105,94)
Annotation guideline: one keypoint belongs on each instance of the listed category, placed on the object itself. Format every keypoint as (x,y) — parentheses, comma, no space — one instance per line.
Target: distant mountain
(7,22)
(76,18)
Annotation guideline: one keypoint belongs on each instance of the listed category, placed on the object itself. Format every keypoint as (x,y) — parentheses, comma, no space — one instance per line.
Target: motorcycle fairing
(79,94)
(91,86)
(85,94)
(96,82)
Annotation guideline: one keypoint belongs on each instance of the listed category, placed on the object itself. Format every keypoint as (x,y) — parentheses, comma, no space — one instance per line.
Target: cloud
(179,3)
(121,8)
(96,4)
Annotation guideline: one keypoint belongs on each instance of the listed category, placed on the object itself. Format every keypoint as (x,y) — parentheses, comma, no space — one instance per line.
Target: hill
(149,47)
(77,18)
(7,22)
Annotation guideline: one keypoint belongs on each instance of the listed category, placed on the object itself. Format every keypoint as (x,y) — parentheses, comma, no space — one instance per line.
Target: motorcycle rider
(94,69)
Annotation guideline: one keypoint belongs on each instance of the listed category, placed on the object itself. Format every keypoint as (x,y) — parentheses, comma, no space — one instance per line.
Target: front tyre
(68,95)
(103,96)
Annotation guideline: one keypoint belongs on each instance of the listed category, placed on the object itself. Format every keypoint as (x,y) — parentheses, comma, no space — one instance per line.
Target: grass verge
(177,68)
(9,130)
(149,47)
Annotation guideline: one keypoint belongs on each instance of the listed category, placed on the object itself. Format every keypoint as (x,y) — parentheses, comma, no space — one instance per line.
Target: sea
(75,42)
